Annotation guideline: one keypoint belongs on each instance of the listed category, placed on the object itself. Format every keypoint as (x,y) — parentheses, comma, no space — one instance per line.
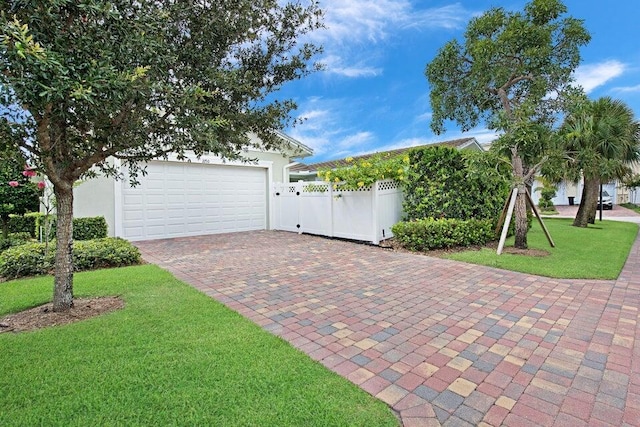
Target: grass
(596,252)
(631,206)
(172,356)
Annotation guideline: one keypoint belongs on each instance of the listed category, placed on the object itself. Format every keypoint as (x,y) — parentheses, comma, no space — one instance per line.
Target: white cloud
(351,23)
(591,76)
(356,21)
(424,117)
(449,17)
(355,140)
(482,135)
(334,65)
(627,89)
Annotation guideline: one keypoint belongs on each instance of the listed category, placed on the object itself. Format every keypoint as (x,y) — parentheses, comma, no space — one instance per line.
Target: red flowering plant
(18,194)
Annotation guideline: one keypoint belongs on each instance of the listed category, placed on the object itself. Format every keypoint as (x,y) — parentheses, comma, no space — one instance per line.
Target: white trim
(269,196)
(286,171)
(117,204)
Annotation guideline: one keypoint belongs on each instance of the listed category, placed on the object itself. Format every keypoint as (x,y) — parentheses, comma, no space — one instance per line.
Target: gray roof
(332,164)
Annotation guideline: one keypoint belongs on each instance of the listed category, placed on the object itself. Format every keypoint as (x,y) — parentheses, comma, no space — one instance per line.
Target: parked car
(607,201)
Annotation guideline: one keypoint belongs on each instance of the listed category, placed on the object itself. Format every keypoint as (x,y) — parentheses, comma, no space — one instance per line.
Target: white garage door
(186,199)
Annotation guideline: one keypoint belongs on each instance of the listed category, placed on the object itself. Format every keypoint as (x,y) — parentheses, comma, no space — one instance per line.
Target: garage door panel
(181,199)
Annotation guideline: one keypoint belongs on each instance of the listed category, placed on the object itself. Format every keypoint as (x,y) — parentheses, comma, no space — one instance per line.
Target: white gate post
(375,214)
(331,202)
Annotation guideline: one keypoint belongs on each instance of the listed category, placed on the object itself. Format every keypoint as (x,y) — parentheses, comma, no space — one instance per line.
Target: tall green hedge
(83,228)
(23,224)
(444,182)
(88,228)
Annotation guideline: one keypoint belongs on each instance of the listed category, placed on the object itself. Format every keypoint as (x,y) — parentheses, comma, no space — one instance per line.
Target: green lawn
(596,252)
(172,356)
(631,206)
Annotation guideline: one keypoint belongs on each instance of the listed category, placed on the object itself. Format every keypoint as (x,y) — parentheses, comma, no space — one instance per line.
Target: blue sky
(373,94)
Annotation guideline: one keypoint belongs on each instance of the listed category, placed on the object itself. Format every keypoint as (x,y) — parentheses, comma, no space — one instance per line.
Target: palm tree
(602,139)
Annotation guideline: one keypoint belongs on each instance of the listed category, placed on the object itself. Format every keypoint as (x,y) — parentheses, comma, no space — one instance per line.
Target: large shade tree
(511,72)
(88,81)
(601,139)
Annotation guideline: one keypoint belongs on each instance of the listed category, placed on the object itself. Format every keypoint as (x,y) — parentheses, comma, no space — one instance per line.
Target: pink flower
(29,173)
(14,183)
(41,185)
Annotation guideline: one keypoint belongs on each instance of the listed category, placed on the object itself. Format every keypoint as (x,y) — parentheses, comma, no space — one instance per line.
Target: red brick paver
(441,342)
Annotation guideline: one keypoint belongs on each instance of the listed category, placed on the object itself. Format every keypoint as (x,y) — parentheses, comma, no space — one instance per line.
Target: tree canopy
(84,81)
(512,73)
(601,139)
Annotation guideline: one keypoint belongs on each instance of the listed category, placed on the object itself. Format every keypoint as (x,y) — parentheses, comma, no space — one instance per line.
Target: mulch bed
(442,253)
(43,316)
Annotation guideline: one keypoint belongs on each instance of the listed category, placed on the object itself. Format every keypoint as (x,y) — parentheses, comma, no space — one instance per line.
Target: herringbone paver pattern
(442,342)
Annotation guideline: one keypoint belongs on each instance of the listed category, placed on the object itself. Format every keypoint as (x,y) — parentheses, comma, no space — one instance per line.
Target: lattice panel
(342,187)
(315,188)
(388,185)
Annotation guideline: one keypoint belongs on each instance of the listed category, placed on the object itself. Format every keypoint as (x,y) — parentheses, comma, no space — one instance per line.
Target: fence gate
(366,214)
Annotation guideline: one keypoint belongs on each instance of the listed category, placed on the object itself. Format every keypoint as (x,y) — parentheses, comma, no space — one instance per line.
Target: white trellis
(366,214)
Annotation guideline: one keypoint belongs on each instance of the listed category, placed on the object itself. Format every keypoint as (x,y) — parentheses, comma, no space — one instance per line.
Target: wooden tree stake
(505,227)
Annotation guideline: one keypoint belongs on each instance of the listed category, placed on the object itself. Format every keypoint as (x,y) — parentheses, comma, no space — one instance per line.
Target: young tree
(601,139)
(90,80)
(512,72)
(18,195)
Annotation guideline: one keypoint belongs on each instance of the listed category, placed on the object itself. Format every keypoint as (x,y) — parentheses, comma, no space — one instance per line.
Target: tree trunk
(63,278)
(521,202)
(588,202)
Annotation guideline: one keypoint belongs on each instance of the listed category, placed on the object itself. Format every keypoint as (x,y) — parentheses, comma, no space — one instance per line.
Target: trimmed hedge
(14,239)
(88,228)
(23,224)
(428,234)
(30,259)
(443,182)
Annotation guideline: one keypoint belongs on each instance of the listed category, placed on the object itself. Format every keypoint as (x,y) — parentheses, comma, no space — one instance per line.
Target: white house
(198,196)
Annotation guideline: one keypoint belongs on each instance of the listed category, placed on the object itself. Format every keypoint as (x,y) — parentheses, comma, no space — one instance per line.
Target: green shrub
(30,259)
(86,228)
(14,239)
(546,195)
(444,182)
(103,253)
(25,260)
(23,224)
(89,228)
(428,234)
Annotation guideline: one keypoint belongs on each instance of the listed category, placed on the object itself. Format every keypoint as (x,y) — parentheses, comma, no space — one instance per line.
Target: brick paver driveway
(441,342)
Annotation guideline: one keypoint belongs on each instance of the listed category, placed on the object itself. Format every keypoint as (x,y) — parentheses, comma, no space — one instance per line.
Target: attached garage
(191,196)
(178,199)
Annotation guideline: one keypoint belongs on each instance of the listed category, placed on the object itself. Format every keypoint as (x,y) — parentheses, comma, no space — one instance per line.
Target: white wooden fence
(366,214)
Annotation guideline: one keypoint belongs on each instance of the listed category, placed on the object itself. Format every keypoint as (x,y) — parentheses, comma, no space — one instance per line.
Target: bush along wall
(32,259)
(444,182)
(23,224)
(86,228)
(451,198)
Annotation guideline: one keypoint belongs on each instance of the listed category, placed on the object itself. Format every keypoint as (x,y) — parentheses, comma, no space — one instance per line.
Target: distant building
(309,172)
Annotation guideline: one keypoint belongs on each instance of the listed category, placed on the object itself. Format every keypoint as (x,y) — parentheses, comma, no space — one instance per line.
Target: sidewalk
(618,213)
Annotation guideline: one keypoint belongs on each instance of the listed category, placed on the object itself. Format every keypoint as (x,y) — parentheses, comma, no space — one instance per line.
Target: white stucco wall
(277,159)
(96,197)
